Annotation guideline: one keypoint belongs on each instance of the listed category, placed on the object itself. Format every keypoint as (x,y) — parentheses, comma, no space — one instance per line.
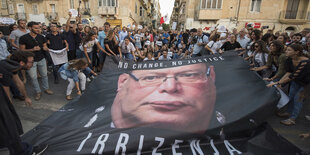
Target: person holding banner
(58,45)
(298,74)
(180,98)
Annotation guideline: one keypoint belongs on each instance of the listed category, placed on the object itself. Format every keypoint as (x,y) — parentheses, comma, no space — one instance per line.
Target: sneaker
(88,80)
(92,77)
(289,122)
(49,92)
(307,117)
(37,150)
(37,97)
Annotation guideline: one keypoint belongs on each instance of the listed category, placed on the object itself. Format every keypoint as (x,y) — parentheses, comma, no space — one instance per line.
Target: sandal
(288,122)
(69,97)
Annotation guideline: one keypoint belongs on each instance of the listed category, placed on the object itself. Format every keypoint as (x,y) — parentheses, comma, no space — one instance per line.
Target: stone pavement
(32,116)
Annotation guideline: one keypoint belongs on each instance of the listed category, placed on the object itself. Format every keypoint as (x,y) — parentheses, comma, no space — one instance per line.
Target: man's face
(22,24)
(183,99)
(199,32)
(80,27)
(36,29)
(106,28)
(1,35)
(165,54)
(28,65)
(126,41)
(53,28)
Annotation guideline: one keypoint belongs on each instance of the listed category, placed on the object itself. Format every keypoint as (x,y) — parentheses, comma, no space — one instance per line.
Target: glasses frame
(166,78)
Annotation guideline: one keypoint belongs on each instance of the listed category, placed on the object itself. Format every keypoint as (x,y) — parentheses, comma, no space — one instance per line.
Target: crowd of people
(280,57)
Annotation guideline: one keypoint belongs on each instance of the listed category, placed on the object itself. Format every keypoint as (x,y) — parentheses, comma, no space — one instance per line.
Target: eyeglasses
(155,79)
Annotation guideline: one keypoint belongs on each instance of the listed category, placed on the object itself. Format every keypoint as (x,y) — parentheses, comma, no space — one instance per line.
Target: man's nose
(170,85)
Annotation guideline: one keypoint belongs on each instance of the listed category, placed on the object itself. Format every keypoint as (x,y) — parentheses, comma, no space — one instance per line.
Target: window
(141,10)
(255,5)
(136,9)
(11,9)
(211,4)
(35,9)
(53,7)
(71,4)
(107,3)
(3,4)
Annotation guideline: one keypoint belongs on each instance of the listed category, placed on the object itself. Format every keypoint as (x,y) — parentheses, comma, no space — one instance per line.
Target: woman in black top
(298,74)
(110,44)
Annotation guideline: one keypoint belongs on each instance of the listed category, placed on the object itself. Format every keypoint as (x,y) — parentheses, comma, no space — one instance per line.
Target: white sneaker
(307,117)
(88,80)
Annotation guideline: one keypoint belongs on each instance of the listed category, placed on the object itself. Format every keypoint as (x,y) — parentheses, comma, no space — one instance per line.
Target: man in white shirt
(123,34)
(127,49)
(164,56)
(242,38)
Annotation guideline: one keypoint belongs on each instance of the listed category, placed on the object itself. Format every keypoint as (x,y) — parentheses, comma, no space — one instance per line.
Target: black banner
(205,105)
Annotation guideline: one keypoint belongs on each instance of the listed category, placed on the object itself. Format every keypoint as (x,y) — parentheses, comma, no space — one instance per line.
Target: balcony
(85,11)
(108,10)
(20,15)
(51,16)
(294,17)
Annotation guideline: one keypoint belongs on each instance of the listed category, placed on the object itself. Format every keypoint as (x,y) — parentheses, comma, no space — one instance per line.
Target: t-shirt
(166,35)
(162,58)
(243,42)
(56,41)
(111,45)
(138,38)
(70,37)
(202,39)
(122,35)
(260,59)
(31,42)
(213,46)
(89,45)
(229,46)
(101,37)
(6,69)
(127,48)
(16,34)
(301,77)
(79,36)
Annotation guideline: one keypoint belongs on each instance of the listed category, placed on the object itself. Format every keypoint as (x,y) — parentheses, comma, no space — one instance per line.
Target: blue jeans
(79,53)
(128,56)
(41,66)
(295,104)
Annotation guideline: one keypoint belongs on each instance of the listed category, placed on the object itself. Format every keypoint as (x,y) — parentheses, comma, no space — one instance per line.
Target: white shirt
(244,41)
(130,47)
(259,60)
(122,35)
(89,45)
(162,58)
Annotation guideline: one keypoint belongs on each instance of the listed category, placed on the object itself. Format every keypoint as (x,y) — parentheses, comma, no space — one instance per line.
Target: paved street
(31,117)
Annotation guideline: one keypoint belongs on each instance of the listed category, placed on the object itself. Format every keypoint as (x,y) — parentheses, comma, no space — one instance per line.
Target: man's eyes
(150,78)
(189,75)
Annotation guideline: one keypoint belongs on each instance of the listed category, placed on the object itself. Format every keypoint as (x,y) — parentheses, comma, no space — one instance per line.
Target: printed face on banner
(180,98)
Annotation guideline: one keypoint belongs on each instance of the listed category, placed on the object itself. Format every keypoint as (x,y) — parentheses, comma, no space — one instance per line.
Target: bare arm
(104,51)
(12,41)
(108,48)
(68,22)
(21,87)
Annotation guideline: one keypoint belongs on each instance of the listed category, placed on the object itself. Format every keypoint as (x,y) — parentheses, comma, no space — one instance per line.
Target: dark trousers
(71,55)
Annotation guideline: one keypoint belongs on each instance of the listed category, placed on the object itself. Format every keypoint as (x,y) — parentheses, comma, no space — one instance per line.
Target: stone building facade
(94,12)
(285,15)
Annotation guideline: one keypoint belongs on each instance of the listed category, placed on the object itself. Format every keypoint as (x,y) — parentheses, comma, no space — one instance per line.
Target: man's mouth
(167,105)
